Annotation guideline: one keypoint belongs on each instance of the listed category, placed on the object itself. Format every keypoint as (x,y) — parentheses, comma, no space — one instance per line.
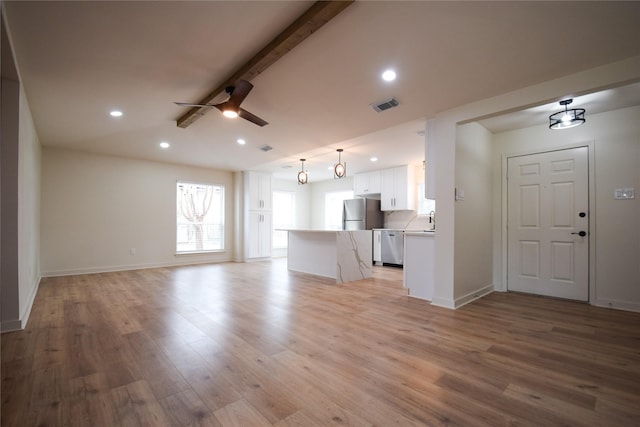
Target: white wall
(28,210)
(616,232)
(473,237)
(95,208)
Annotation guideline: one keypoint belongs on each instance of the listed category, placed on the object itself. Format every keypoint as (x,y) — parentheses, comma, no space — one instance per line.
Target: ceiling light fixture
(229,113)
(303,175)
(339,169)
(374,159)
(116,113)
(165,144)
(389,76)
(568,118)
(241,141)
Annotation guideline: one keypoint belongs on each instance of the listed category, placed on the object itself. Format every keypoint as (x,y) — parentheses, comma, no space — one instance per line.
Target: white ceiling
(79,60)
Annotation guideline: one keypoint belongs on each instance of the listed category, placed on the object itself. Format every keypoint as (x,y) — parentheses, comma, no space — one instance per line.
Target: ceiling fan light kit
(231,107)
(339,169)
(568,118)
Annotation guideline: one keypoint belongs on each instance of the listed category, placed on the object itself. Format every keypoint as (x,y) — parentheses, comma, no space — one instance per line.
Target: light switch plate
(624,193)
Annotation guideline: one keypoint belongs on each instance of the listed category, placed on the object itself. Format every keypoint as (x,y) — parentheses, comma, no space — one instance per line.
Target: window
(333,208)
(425,206)
(200,217)
(284,216)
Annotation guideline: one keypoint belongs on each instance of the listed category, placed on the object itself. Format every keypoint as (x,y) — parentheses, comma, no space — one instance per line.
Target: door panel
(546,193)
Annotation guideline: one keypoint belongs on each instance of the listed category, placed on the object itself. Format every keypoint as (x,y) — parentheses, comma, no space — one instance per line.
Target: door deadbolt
(581,233)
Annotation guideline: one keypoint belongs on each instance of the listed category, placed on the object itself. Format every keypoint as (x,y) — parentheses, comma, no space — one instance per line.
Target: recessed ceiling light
(389,75)
(241,141)
(164,144)
(374,159)
(116,113)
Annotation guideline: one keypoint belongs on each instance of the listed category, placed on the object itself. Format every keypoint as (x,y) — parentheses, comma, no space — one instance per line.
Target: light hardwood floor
(256,345)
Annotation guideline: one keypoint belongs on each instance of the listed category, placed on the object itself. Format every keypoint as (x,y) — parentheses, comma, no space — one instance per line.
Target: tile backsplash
(407,220)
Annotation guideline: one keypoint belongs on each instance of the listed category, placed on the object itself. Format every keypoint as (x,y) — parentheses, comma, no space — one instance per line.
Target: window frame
(221,225)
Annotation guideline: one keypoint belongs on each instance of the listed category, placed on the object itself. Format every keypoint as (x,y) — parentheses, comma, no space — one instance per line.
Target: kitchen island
(341,254)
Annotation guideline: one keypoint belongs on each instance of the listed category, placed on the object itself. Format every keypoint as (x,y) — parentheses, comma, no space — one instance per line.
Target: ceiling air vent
(266,148)
(385,105)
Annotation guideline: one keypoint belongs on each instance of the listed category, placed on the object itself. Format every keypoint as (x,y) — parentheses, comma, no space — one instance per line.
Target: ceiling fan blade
(239,93)
(251,117)
(187,104)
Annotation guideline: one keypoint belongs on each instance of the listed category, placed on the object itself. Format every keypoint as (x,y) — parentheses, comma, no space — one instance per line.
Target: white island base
(343,255)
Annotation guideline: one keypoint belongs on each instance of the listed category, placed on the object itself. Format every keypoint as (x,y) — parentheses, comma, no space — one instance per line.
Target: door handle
(581,233)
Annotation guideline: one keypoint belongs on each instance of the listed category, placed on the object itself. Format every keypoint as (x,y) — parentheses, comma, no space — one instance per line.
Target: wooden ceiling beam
(309,22)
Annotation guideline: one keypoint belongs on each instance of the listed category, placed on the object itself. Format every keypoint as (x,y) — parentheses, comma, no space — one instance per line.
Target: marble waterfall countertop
(341,254)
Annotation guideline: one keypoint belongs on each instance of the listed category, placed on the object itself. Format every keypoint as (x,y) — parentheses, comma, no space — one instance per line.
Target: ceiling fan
(231,107)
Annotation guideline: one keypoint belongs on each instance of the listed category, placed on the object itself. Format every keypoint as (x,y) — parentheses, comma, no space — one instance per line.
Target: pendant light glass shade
(339,169)
(568,118)
(303,176)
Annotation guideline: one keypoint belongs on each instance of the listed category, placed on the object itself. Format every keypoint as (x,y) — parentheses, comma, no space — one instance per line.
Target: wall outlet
(132,251)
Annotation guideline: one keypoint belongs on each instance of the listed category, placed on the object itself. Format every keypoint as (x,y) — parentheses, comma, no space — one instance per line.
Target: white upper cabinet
(398,188)
(367,183)
(258,189)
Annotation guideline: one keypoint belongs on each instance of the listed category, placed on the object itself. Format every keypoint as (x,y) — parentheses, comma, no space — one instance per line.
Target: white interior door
(548,224)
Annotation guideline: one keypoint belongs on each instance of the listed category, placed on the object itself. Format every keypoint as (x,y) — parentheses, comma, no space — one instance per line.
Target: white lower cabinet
(377,246)
(259,234)
(419,253)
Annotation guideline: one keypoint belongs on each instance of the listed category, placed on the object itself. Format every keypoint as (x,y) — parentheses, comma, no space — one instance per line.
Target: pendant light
(568,118)
(303,176)
(339,169)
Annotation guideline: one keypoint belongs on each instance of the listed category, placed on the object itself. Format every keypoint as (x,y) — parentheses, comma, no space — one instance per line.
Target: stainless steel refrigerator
(362,214)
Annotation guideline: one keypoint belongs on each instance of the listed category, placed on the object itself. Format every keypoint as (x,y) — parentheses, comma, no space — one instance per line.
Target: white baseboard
(26,311)
(111,269)
(19,324)
(472,296)
(443,302)
(618,305)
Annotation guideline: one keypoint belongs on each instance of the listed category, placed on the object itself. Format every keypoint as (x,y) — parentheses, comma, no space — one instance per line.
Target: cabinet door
(401,188)
(361,184)
(387,192)
(375,182)
(259,237)
(252,187)
(265,235)
(258,188)
(265,191)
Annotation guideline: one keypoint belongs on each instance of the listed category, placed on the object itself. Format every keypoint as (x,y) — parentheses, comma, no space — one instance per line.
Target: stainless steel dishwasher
(392,247)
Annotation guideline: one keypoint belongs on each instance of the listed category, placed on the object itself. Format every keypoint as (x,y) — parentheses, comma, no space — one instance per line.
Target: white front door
(548,224)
